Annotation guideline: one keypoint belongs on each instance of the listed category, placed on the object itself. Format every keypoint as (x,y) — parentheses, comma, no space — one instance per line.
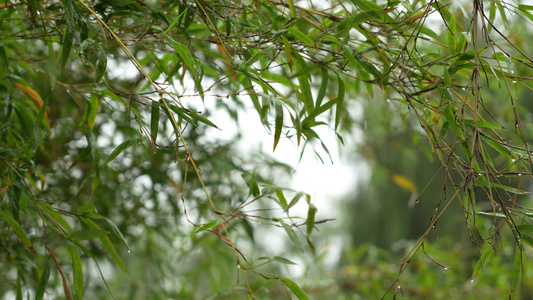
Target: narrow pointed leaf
(68,37)
(278,123)
(292,234)
(39,292)
(296,290)
(77,270)
(87,234)
(340,103)
(18,229)
(120,149)
(310,222)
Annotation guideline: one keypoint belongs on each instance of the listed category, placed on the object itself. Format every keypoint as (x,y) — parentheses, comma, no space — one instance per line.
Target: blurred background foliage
(115,152)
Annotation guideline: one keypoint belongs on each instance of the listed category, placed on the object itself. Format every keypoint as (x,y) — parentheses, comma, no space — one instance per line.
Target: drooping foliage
(109,141)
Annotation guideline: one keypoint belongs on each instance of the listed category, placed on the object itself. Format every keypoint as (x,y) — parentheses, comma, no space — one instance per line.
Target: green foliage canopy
(101,145)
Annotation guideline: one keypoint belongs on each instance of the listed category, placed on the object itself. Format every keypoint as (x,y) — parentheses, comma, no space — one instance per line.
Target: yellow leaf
(404,182)
(35,98)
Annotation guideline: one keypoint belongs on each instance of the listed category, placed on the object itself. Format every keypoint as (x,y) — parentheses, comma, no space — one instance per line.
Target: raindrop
(513,160)
(433,226)
(445,268)
(416,201)
(512,72)
(519,174)
(129,251)
(514,81)
(238,266)
(471,280)
(388,100)
(399,287)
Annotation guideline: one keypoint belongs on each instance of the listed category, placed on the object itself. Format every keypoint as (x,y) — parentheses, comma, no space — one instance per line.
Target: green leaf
(185,54)
(87,234)
(57,217)
(503,187)
(18,229)
(207,226)
(323,87)
(525,228)
(107,244)
(92,110)
(283,260)
(278,123)
(281,198)
(45,275)
(86,208)
(120,149)
(302,37)
(253,188)
(287,47)
(491,214)
(292,235)
(101,65)
(318,111)
(310,222)
(77,270)
(116,231)
(483,260)
(517,273)
(366,5)
(68,37)
(154,121)
(528,240)
(340,103)
(447,78)
(296,290)
(90,254)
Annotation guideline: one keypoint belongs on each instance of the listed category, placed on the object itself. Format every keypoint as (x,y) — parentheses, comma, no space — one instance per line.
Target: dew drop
(399,287)
(519,174)
(238,266)
(445,268)
(129,251)
(512,72)
(514,81)
(471,280)
(388,100)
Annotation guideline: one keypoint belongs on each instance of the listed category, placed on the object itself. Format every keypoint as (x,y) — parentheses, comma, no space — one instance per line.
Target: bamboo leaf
(93,111)
(77,270)
(340,103)
(323,87)
(296,290)
(68,37)
(302,37)
(525,228)
(18,230)
(154,121)
(292,235)
(116,231)
(517,273)
(87,234)
(483,260)
(278,123)
(310,222)
(45,275)
(101,65)
(283,260)
(125,145)
(281,198)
